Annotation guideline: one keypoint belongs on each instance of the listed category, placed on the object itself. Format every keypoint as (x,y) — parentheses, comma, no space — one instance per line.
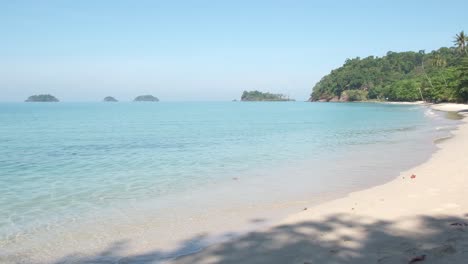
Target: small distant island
(260,96)
(146,98)
(110,99)
(42,98)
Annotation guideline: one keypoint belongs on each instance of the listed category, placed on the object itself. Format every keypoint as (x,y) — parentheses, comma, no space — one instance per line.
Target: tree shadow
(339,238)
(115,253)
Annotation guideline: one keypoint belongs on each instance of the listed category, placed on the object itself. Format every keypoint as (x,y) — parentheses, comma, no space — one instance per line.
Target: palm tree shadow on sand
(436,240)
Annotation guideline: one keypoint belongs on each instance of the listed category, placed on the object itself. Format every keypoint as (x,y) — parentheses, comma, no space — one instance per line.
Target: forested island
(260,96)
(109,99)
(146,98)
(42,98)
(438,76)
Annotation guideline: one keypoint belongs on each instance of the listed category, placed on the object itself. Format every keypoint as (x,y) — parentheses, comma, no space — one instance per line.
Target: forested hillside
(438,76)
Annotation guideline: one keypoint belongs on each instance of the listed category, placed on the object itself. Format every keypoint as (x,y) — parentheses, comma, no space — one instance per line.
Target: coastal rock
(110,99)
(146,98)
(344,97)
(42,98)
(335,99)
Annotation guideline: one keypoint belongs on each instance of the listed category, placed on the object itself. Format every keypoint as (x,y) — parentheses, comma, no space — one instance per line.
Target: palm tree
(461,41)
(425,74)
(439,63)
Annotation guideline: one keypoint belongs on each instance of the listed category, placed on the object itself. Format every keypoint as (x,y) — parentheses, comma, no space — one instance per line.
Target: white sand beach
(419,217)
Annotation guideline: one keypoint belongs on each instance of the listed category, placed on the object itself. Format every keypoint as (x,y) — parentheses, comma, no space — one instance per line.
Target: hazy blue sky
(203,50)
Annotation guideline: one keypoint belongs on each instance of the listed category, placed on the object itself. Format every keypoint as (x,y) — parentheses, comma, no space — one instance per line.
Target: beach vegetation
(355,95)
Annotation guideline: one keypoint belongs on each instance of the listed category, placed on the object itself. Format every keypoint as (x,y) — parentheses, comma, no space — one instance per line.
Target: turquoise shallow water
(60,162)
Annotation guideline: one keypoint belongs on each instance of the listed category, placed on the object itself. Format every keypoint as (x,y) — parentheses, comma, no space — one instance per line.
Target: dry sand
(450,107)
(419,217)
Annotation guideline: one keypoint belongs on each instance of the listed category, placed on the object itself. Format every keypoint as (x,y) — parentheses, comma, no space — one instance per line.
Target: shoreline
(426,219)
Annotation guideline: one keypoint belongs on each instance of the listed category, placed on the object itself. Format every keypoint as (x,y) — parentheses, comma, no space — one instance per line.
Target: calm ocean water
(63,163)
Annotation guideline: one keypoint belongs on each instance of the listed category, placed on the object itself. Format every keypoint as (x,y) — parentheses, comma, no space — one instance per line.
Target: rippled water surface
(62,162)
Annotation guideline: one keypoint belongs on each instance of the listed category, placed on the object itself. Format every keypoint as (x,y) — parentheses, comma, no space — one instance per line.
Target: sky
(203,50)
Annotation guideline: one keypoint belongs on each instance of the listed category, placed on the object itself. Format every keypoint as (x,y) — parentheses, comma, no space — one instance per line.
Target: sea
(77,179)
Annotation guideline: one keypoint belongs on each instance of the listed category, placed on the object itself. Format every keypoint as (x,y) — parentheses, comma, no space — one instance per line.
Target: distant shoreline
(446,107)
